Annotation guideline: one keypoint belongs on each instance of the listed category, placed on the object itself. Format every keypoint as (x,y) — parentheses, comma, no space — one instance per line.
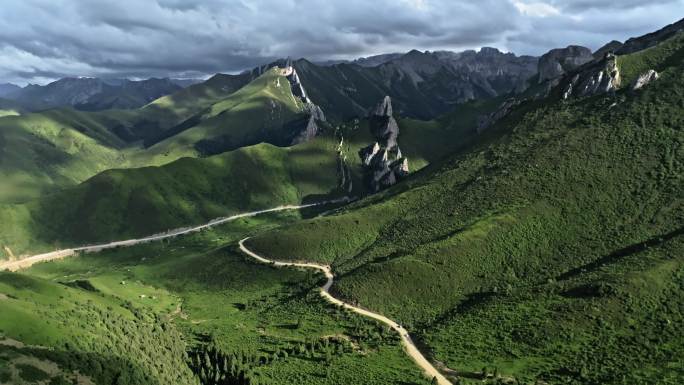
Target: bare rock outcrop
(644,79)
(599,78)
(383,161)
(296,85)
(308,128)
(383,125)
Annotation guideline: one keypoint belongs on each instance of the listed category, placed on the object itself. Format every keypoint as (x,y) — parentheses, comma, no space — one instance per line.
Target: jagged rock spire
(383,162)
(384,108)
(383,125)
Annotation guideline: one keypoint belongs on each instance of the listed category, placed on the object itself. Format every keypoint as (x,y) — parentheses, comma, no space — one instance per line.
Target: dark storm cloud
(582,5)
(44,39)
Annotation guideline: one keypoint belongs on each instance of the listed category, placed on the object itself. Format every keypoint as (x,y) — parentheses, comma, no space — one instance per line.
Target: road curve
(59,254)
(409,346)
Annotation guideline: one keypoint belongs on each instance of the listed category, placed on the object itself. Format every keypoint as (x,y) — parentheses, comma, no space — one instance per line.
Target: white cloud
(536,9)
(420,5)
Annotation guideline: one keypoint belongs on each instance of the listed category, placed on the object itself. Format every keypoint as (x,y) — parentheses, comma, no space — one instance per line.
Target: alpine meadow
(341,193)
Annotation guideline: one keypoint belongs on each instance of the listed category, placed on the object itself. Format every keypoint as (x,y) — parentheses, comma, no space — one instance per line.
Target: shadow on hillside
(105,369)
(313,211)
(471,301)
(621,253)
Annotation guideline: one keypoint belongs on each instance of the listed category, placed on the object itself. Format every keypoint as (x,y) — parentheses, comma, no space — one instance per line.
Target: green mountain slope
(120,204)
(9,108)
(124,203)
(59,147)
(265,110)
(44,152)
(63,334)
(483,255)
(150,121)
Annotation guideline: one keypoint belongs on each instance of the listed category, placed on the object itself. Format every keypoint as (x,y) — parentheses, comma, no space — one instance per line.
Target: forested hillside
(569,212)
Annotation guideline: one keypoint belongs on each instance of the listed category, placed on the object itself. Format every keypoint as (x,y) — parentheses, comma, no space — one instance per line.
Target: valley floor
(204,284)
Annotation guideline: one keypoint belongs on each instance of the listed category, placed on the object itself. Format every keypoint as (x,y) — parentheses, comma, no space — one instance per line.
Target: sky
(43,40)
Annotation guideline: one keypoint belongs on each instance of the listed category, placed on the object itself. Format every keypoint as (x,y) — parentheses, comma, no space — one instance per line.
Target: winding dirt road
(59,254)
(409,346)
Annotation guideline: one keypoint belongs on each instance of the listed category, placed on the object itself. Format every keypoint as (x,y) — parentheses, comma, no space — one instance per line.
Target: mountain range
(91,94)
(423,84)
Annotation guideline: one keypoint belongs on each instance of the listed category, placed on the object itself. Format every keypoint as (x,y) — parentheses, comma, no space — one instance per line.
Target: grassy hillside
(273,319)
(59,147)
(123,203)
(9,108)
(151,121)
(185,102)
(428,142)
(259,112)
(660,57)
(54,332)
(483,255)
(119,204)
(44,152)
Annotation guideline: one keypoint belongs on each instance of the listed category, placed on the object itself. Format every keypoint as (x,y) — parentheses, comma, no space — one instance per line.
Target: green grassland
(555,186)
(191,100)
(429,142)
(273,318)
(52,331)
(47,151)
(201,281)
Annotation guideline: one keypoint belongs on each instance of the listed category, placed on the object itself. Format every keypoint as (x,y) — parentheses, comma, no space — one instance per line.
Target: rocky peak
(490,51)
(384,108)
(382,160)
(374,61)
(383,125)
(560,61)
(598,78)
